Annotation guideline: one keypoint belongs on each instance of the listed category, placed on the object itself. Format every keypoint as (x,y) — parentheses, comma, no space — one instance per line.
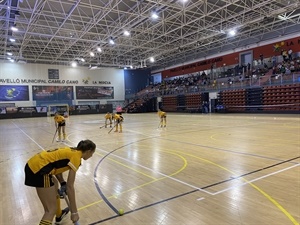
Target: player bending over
(163,118)
(41,171)
(108,118)
(60,124)
(119,120)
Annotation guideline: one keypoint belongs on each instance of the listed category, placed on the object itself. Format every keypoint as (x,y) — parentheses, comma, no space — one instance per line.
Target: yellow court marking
(254,186)
(139,186)
(292,219)
(127,166)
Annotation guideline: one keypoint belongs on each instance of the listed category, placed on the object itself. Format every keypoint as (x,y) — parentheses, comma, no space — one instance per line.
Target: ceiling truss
(61,31)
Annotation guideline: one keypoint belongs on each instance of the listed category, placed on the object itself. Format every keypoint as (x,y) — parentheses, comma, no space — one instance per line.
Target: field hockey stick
(68,203)
(112,128)
(102,126)
(54,134)
(159,124)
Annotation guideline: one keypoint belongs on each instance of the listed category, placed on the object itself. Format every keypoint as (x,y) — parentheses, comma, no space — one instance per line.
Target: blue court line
(174,197)
(95,175)
(224,150)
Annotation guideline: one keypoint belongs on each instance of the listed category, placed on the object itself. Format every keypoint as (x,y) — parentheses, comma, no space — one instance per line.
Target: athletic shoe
(64,212)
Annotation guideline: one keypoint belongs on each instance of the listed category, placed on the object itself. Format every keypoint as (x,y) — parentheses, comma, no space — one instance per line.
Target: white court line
(177,180)
(149,169)
(256,179)
(28,136)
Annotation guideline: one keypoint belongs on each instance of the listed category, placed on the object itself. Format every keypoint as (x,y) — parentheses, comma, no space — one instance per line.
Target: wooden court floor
(219,169)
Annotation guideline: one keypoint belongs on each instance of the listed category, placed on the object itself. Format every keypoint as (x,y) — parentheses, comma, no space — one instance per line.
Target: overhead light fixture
(12,40)
(111,41)
(93,67)
(9,53)
(74,64)
(152,59)
(232,33)
(92,54)
(82,59)
(281,17)
(99,49)
(14,28)
(126,33)
(154,15)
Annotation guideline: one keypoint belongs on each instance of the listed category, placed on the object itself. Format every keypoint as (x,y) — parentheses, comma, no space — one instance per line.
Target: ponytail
(86,145)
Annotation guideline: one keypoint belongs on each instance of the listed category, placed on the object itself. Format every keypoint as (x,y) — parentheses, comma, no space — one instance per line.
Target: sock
(45,222)
(58,209)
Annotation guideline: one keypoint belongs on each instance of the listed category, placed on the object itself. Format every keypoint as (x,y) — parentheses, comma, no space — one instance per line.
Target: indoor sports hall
(200,169)
(193,105)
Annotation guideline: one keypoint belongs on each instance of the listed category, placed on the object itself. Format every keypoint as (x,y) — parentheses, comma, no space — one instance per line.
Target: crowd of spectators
(235,76)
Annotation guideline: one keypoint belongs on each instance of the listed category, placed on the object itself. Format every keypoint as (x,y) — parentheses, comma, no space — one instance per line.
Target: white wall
(37,74)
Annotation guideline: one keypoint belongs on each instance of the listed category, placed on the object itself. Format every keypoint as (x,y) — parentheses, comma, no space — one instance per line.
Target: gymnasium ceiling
(61,31)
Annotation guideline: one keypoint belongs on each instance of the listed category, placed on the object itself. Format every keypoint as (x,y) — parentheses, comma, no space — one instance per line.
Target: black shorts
(37,180)
(62,124)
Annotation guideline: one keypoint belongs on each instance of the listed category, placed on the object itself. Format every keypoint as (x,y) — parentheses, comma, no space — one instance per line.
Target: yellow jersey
(108,116)
(161,114)
(119,118)
(55,161)
(59,119)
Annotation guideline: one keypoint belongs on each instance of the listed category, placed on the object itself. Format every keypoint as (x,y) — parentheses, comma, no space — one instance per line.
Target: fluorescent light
(111,41)
(99,49)
(92,54)
(126,33)
(74,64)
(151,59)
(12,40)
(232,32)
(14,28)
(93,67)
(154,15)
(282,17)
(9,53)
